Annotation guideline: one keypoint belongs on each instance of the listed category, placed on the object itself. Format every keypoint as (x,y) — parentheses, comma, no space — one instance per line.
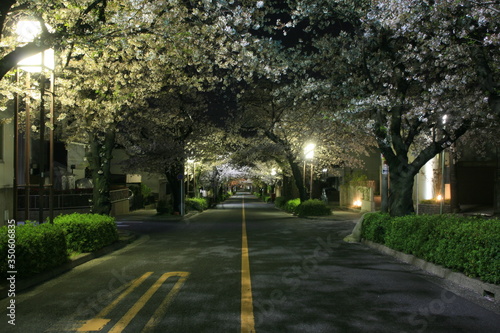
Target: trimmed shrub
(87,232)
(199,204)
(280,202)
(375,226)
(313,207)
(163,207)
(467,244)
(37,249)
(226,196)
(414,234)
(291,205)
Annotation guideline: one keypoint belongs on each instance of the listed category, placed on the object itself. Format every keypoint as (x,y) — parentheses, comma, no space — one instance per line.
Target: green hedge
(162,207)
(87,232)
(313,207)
(291,206)
(280,202)
(199,204)
(375,226)
(466,244)
(37,249)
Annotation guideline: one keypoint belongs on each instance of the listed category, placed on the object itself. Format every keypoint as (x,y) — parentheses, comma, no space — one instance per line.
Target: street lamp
(41,63)
(309,151)
(190,162)
(309,155)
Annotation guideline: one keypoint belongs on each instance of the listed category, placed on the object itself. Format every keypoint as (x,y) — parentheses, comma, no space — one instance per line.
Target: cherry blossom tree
(166,51)
(110,75)
(420,74)
(287,117)
(62,23)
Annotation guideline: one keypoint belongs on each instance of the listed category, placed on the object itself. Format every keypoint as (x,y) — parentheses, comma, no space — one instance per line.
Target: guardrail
(81,199)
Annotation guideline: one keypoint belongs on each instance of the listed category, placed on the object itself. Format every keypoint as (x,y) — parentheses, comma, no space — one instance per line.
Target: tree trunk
(173,174)
(496,202)
(296,170)
(455,205)
(401,192)
(297,175)
(99,157)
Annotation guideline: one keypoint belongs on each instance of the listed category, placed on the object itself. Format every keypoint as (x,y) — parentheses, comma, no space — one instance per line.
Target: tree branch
(5,7)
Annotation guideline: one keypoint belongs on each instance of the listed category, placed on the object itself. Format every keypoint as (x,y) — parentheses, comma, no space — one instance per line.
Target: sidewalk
(339,214)
(152,215)
(125,238)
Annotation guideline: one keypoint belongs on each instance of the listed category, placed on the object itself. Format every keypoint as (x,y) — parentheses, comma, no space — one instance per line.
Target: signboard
(133,178)
(385,169)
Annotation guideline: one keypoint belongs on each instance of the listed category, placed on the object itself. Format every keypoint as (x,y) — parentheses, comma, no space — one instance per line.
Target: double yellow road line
(99,321)
(247,316)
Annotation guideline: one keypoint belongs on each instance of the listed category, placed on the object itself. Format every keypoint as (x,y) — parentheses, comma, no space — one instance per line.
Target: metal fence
(63,202)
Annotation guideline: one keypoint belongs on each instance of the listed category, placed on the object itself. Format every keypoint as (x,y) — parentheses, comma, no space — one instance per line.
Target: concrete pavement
(289,276)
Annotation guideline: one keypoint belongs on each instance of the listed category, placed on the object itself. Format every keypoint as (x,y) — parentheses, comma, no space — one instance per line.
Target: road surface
(245,267)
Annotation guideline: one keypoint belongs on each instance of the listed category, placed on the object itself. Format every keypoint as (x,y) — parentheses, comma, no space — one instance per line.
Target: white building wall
(7,172)
(426,181)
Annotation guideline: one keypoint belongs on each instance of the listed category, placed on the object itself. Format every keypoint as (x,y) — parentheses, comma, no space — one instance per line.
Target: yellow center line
(247,317)
(98,322)
(162,309)
(132,312)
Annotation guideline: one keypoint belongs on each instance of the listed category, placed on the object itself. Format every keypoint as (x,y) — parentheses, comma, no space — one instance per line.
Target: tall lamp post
(41,63)
(309,155)
(191,164)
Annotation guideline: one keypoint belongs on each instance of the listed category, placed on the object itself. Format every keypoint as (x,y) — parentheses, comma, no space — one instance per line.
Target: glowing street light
(27,31)
(309,151)
(39,63)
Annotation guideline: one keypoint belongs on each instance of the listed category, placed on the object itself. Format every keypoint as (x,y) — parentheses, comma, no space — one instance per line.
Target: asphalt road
(287,275)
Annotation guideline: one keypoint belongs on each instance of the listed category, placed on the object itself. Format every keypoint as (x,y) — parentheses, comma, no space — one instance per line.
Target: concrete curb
(23,284)
(478,286)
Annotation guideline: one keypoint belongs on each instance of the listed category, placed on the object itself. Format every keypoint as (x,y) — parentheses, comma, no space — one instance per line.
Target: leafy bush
(37,249)
(226,196)
(375,226)
(163,207)
(291,205)
(280,202)
(313,207)
(199,204)
(465,244)
(87,232)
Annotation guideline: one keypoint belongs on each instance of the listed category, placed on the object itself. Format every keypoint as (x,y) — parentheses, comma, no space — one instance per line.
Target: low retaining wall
(478,286)
(363,193)
(432,209)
